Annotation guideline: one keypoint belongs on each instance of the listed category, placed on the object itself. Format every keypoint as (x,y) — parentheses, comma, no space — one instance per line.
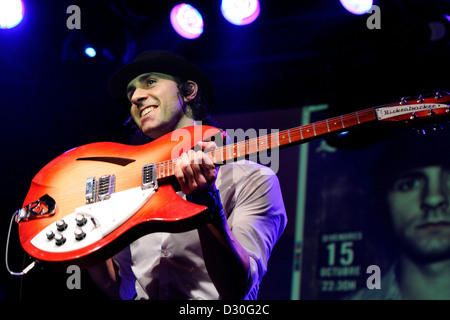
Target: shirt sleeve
(257,219)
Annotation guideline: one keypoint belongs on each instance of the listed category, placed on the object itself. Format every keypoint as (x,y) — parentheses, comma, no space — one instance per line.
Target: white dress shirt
(171,265)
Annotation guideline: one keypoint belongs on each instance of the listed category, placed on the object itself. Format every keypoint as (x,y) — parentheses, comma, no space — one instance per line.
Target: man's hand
(195,171)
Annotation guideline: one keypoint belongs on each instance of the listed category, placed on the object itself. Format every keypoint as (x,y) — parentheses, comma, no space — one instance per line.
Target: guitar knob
(59,239)
(81,220)
(79,234)
(50,235)
(61,225)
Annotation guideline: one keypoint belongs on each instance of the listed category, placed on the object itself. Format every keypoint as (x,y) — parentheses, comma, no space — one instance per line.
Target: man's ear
(189,90)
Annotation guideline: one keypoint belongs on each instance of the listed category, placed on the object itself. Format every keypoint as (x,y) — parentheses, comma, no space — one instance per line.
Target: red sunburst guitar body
(65,212)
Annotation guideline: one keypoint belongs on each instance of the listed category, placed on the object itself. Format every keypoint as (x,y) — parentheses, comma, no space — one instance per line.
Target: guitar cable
(29,267)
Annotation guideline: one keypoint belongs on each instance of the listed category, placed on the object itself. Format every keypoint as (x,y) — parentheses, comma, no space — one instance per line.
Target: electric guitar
(91,201)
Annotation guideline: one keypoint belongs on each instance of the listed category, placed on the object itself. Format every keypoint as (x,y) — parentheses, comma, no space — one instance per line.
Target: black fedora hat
(161,61)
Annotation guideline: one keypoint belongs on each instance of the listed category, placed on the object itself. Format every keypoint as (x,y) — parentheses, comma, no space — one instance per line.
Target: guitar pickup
(101,189)
(149,177)
(91,190)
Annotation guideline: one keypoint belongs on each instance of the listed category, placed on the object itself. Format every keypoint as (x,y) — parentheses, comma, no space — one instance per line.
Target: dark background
(53,98)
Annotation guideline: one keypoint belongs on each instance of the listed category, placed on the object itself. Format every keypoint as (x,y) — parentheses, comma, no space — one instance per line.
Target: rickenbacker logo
(389,112)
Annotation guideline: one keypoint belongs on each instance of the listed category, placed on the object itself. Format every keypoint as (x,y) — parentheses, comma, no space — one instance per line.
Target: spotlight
(90,52)
(186,21)
(240,12)
(357,6)
(11,13)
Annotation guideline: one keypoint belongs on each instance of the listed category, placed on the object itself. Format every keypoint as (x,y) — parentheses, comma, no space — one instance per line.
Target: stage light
(11,13)
(186,21)
(357,6)
(90,52)
(240,12)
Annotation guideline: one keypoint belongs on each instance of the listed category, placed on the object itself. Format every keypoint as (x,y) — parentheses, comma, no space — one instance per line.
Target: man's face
(156,105)
(419,206)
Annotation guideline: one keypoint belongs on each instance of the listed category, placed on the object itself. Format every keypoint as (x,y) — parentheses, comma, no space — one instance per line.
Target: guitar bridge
(101,189)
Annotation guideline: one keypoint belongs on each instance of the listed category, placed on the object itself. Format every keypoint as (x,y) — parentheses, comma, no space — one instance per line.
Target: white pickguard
(102,218)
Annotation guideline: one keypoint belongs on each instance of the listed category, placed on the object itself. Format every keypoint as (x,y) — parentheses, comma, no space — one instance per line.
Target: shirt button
(165,252)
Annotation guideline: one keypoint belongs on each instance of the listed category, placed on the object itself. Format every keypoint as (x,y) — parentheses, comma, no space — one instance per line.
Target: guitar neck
(285,138)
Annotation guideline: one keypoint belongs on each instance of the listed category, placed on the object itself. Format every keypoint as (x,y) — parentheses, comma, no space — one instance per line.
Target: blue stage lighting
(11,13)
(90,52)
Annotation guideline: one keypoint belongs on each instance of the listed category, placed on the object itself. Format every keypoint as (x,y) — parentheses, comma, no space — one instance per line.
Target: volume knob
(59,239)
(81,220)
(79,234)
(50,234)
(61,225)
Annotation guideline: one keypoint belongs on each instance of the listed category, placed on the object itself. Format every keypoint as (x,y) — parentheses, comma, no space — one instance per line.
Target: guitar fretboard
(301,134)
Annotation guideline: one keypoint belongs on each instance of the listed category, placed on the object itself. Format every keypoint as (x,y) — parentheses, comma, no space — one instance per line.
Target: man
(417,180)
(225,259)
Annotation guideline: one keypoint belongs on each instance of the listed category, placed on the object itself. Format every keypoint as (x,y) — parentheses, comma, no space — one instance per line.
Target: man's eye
(407,184)
(150,81)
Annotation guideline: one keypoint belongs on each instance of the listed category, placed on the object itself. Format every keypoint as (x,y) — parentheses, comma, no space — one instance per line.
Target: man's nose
(435,198)
(139,95)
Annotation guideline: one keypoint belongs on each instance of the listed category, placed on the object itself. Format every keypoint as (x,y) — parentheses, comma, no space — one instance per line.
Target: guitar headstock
(419,110)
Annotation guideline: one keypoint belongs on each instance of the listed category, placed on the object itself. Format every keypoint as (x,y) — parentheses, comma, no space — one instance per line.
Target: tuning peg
(419,99)
(437,127)
(403,100)
(431,112)
(437,96)
(413,116)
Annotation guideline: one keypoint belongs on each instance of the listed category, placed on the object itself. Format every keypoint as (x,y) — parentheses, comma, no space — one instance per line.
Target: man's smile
(146,110)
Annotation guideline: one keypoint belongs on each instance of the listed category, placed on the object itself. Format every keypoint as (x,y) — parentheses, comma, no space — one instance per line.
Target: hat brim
(161,62)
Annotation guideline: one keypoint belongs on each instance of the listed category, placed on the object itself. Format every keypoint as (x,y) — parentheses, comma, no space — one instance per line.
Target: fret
(246,147)
(357,117)
(242,149)
(168,168)
(274,140)
(307,131)
(158,168)
(335,124)
(262,145)
(252,146)
(231,152)
(342,121)
(321,128)
(350,120)
(328,126)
